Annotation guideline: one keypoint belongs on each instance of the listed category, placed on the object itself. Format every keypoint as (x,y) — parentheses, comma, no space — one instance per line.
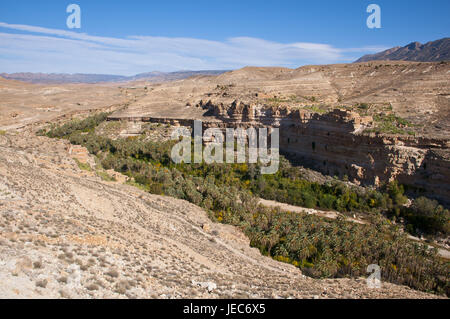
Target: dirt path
(309,211)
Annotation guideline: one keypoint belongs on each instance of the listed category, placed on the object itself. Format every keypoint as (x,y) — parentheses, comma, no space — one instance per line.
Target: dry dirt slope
(65,233)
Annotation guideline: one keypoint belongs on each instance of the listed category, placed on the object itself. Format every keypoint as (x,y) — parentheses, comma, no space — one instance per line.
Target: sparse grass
(391,124)
(317,109)
(64,294)
(111,125)
(140,186)
(363,106)
(293,99)
(310,98)
(2,132)
(122,287)
(83,166)
(105,176)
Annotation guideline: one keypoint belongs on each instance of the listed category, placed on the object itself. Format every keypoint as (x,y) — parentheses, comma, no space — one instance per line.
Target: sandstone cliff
(336,144)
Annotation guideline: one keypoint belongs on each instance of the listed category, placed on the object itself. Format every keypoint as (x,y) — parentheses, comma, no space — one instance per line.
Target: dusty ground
(23,104)
(65,233)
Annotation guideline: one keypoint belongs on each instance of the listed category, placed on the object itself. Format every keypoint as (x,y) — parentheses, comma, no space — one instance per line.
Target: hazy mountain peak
(154,76)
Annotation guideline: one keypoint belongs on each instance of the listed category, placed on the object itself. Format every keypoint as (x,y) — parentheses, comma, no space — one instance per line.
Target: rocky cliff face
(335,144)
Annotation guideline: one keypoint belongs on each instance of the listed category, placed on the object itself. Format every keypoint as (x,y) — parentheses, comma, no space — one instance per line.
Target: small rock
(210,286)
(206,228)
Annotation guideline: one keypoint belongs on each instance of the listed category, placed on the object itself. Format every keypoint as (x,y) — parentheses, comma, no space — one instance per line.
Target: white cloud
(38,49)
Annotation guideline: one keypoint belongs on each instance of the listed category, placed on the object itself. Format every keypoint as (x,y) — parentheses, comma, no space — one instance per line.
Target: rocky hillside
(417,92)
(433,51)
(66,233)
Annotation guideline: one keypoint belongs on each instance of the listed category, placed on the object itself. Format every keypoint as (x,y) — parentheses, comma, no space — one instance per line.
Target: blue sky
(133,36)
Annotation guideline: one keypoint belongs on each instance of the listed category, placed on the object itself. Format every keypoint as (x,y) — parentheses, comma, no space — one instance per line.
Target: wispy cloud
(38,49)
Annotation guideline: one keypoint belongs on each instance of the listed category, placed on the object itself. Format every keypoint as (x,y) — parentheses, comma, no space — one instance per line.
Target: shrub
(426,216)
(92,287)
(105,176)
(113,273)
(42,283)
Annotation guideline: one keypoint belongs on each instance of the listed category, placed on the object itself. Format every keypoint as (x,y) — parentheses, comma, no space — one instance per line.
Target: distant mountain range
(434,51)
(97,78)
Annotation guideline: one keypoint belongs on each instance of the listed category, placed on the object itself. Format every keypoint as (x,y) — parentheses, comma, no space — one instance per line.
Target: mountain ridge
(59,78)
(433,51)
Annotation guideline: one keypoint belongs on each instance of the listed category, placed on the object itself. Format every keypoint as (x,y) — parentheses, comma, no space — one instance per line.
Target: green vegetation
(310,98)
(83,166)
(363,106)
(424,216)
(110,127)
(321,247)
(276,101)
(2,133)
(391,124)
(336,248)
(104,176)
(321,109)
(86,125)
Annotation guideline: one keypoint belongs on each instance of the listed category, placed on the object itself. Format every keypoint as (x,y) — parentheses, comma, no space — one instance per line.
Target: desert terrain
(68,232)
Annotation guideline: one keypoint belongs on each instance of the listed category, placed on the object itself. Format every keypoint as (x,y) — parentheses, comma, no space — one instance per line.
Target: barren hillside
(23,103)
(66,233)
(419,92)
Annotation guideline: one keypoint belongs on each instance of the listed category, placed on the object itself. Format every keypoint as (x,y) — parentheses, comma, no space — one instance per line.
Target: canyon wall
(335,144)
